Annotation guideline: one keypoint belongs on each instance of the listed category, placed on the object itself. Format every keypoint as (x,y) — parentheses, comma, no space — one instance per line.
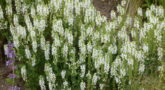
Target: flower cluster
(10,53)
(3,24)
(67,44)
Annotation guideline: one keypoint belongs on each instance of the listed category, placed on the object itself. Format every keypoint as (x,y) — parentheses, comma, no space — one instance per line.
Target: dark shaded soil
(105,6)
(4,72)
(3,84)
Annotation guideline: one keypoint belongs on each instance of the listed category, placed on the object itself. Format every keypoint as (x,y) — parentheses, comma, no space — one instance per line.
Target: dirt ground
(105,6)
(3,84)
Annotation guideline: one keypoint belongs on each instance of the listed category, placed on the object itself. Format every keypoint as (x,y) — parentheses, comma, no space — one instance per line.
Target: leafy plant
(67,44)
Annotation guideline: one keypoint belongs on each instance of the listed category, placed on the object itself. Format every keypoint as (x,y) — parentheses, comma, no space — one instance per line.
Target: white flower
(54,50)
(95,79)
(42,10)
(153,20)
(112,49)
(96,35)
(129,21)
(83,68)
(1,13)
(18,5)
(123,34)
(140,56)
(27,52)
(33,60)
(105,38)
(119,19)
(160,53)
(82,85)
(136,24)
(98,18)
(42,83)
(140,12)
(32,34)
(133,33)
(28,23)
(24,8)
(23,73)
(89,47)
(122,72)
(89,14)
(113,14)
(21,31)
(117,61)
(32,11)
(69,36)
(50,76)
(57,41)
(63,73)
(117,80)
(50,86)
(95,53)
(158,35)
(58,27)
(123,3)
(160,11)
(41,25)
(148,13)
(83,49)
(160,68)
(34,46)
(130,61)
(65,83)
(121,10)
(153,8)
(16,42)
(9,10)
(65,50)
(47,50)
(145,48)
(89,31)
(56,4)
(8,1)
(78,7)
(42,42)
(71,19)
(141,68)
(106,67)
(88,75)
(101,86)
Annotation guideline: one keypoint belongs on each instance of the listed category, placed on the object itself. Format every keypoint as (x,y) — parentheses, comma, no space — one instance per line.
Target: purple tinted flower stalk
(10,53)
(12,76)
(14,88)
(10,62)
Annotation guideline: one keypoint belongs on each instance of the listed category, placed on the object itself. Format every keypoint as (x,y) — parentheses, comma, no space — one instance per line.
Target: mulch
(105,6)
(3,84)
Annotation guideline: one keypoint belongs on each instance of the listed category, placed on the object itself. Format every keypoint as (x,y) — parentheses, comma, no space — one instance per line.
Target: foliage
(148,3)
(67,44)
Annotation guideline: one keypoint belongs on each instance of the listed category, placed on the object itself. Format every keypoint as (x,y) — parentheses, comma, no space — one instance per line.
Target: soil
(105,6)
(3,84)
(4,72)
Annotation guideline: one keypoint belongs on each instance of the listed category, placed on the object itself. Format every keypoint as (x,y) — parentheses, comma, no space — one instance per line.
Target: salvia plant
(68,45)
(10,53)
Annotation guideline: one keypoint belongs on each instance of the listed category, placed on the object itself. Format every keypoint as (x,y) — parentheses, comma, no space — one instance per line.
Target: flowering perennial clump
(10,53)
(67,44)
